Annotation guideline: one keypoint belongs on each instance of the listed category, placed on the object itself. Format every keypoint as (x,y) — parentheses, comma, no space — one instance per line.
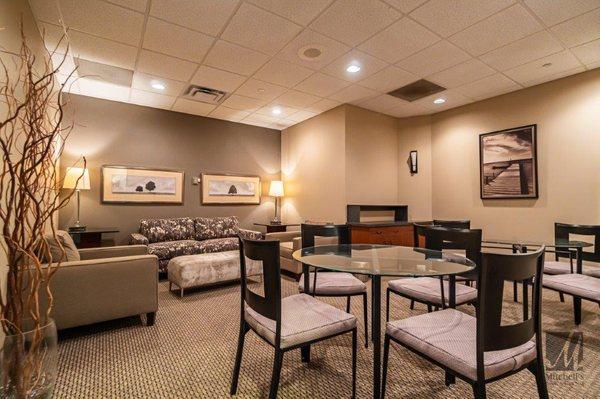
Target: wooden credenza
(385,233)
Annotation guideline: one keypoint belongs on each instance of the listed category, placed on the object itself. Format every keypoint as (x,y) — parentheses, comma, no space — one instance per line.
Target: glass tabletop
(384,260)
(567,244)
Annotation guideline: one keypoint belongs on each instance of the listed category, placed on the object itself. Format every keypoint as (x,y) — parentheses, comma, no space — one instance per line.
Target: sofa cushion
(64,240)
(157,230)
(169,249)
(218,227)
(218,245)
(286,249)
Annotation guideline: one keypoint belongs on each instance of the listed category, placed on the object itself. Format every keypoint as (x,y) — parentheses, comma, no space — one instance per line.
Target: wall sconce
(412,163)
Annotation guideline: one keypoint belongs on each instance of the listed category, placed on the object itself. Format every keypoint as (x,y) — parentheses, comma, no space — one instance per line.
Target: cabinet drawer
(388,235)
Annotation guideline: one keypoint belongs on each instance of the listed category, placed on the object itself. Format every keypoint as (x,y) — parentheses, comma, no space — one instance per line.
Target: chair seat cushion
(334,283)
(427,289)
(286,248)
(303,319)
(449,338)
(580,285)
(558,267)
(592,271)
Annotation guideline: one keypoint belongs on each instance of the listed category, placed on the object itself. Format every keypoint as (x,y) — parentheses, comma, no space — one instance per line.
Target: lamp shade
(276,188)
(71,177)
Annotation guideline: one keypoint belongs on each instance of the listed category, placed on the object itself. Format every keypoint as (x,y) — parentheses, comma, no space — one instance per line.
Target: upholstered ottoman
(205,269)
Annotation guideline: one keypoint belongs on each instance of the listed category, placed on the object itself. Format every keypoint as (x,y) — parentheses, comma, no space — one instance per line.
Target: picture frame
(141,185)
(508,163)
(230,189)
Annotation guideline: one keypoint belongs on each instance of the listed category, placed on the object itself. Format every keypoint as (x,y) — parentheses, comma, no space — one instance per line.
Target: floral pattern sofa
(169,238)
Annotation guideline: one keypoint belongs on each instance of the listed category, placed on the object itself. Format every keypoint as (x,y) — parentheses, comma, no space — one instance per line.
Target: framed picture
(508,163)
(136,185)
(225,189)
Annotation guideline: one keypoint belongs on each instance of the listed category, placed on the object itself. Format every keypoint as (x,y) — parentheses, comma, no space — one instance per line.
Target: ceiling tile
(400,40)
(330,49)
(490,86)
(243,103)
(192,107)
(301,12)
(405,6)
(353,21)
(148,99)
(505,27)
(261,120)
(535,72)
(166,38)
(452,97)
(440,56)
(522,51)
(368,66)
(142,81)
(282,73)
(193,13)
(407,109)
(298,99)
(353,93)
(388,79)
(165,66)
(45,11)
(261,90)
(234,58)
(284,111)
(217,79)
(553,12)
(322,85)
(64,63)
(91,48)
(588,53)
(99,89)
(446,17)
(260,30)
(380,103)
(229,114)
(138,5)
(461,74)
(579,30)
(323,105)
(301,116)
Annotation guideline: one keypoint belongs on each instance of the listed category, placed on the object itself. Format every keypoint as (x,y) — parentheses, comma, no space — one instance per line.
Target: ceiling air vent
(416,90)
(204,94)
(104,73)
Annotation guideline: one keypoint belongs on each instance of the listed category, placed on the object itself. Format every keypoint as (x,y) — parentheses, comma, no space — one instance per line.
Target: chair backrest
(495,270)
(267,252)
(563,230)
(440,238)
(453,224)
(419,231)
(310,231)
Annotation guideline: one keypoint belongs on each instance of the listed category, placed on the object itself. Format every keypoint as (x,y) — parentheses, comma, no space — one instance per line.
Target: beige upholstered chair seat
(427,289)
(449,337)
(592,271)
(303,319)
(558,267)
(580,285)
(334,283)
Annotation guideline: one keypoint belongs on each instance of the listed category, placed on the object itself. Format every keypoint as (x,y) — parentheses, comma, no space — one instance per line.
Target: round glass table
(377,261)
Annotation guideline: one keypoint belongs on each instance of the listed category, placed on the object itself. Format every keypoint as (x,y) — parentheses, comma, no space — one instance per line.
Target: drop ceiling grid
(329,69)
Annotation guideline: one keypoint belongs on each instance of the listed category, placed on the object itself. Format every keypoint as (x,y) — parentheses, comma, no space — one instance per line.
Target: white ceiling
(249,48)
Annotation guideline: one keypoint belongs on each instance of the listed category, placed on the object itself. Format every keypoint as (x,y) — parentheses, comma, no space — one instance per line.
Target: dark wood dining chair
(418,230)
(481,349)
(434,292)
(584,282)
(288,323)
(328,283)
(452,224)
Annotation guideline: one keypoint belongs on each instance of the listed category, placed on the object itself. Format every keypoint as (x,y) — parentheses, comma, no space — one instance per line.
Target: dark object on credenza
(353,211)
(90,237)
(276,227)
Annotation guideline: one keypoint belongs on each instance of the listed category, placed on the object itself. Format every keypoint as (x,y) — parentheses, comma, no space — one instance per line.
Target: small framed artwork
(226,189)
(508,163)
(137,185)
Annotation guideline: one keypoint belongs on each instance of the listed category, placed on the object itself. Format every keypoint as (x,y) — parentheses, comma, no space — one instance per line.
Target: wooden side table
(276,228)
(91,237)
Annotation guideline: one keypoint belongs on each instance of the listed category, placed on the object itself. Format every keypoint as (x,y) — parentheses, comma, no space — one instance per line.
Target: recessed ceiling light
(158,85)
(260,90)
(439,101)
(353,68)
(276,111)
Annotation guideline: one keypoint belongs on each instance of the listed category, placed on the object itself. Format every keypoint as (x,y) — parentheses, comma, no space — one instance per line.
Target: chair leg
(150,319)
(479,391)
(366,319)
(238,358)
(429,309)
(387,305)
(181,292)
(577,309)
(170,286)
(412,305)
(450,378)
(515,292)
(386,355)
(348,304)
(561,296)
(537,369)
(354,350)
(276,374)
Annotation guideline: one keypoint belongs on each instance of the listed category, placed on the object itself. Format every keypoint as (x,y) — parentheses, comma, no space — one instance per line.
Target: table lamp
(276,190)
(78,179)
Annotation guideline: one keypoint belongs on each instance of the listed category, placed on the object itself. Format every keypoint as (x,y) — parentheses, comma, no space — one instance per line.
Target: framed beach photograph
(508,163)
(125,184)
(226,189)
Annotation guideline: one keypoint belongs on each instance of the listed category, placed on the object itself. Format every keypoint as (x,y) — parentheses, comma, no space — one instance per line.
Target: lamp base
(77,228)
(275,221)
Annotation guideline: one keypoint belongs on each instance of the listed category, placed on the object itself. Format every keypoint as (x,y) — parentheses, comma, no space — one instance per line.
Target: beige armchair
(107,283)
(289,241)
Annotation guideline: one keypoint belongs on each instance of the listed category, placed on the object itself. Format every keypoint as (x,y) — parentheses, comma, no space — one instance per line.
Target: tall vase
(28,362)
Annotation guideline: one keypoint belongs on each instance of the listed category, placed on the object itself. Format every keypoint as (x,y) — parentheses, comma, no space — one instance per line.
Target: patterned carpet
(189,353)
